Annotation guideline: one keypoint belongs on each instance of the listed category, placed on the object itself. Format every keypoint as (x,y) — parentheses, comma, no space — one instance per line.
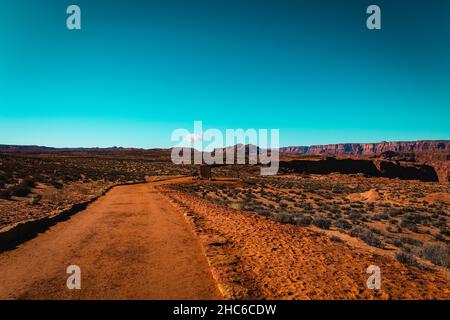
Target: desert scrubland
(301,234)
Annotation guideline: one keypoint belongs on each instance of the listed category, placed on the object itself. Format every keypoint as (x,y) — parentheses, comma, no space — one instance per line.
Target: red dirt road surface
(130,244)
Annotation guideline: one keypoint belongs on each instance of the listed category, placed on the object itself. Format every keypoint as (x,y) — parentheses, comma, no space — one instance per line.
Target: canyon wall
(371,148)
(434,154)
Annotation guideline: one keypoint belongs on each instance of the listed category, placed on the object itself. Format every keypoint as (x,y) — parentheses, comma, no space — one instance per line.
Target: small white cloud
(192,137)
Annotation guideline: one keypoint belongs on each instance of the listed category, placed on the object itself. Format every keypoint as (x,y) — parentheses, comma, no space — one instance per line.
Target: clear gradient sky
(140,69)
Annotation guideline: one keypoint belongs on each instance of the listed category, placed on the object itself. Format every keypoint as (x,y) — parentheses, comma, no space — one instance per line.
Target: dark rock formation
(373,168)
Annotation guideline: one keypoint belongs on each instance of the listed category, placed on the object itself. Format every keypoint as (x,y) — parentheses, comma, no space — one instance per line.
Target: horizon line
(167,148)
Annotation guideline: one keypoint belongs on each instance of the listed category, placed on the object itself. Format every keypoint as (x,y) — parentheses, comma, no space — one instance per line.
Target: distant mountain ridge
(331,149)
(371,148)
(36,148)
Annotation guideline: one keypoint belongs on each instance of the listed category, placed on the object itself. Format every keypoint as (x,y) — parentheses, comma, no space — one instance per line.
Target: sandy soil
(53,200)
(142,242)
(255,257)
(130,244)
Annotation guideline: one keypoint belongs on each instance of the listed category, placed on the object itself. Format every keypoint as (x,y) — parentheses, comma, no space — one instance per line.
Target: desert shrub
(342,224)
(322,222)
(409,209)
(221,202)
(372,240)
(334,209)
(406,259)
(393,221)
(335,216)
(445,231)
(35,199)
(318,201)
(438,213)
(264,212)
(19,190)
(29,182)
(283,218)
(336,239)
(395,242)
(411,241)
(375,230)
(303,220)
(59,185)
(439,224)
(438,254)
(408,224)
(439,237)
(366,236)
(354,215)
(393,212)
(4,194)
(406,249)
(413,217)
(376,217)
(383,216)
(250,206)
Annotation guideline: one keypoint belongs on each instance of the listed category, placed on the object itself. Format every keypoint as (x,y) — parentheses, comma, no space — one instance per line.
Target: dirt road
(129,244)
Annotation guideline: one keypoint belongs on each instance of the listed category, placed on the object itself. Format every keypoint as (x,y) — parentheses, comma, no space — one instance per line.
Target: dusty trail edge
(129,244)
(14,235)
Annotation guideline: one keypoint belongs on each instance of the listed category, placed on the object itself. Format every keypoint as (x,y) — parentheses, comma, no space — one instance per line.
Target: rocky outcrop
(371,148)
(369,167)
(440,161)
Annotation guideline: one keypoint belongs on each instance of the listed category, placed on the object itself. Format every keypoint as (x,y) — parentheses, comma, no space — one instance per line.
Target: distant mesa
(36,148)
(368,149)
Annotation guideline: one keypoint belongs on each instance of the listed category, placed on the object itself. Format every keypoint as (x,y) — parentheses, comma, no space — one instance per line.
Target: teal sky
(139,70)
